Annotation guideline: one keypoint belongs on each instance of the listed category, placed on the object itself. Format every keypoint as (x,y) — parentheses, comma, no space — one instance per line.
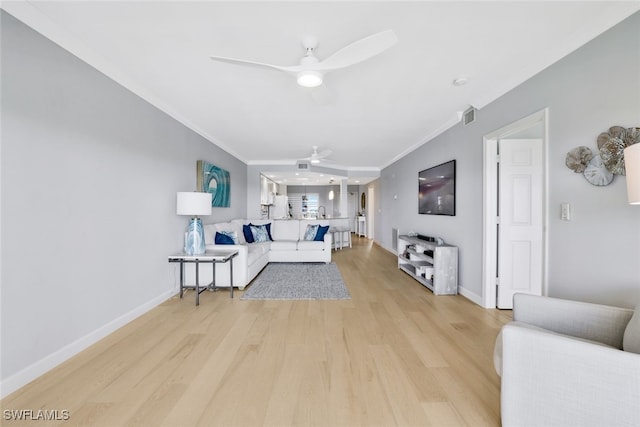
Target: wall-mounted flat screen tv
(437,190)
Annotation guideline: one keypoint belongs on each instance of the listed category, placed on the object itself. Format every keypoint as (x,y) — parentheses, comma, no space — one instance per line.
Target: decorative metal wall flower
(596,173)
(632,136)
(601,169)
(578,159)
(611,145)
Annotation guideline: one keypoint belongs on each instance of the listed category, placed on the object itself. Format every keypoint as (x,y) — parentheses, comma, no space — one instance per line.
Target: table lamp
(194,204)
(632,167)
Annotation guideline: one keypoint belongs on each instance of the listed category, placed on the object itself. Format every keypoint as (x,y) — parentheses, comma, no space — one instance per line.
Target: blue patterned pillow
(268,227)
(226,238)
(260,233)
(322,230)
(311,232)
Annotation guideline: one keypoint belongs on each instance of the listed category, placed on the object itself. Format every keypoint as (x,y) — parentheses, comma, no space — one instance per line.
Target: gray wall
(89,180)
(595,257)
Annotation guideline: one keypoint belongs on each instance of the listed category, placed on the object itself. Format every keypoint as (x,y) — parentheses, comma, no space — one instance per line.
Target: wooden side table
(213,257)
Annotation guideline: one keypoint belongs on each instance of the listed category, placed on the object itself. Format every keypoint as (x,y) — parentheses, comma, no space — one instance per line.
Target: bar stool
(338,234)
(334,232)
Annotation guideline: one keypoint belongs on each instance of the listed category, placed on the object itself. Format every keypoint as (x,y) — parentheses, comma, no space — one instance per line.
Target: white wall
(89,180)
(596,256)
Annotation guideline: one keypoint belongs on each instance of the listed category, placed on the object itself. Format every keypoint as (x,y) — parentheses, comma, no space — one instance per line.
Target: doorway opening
(515,248)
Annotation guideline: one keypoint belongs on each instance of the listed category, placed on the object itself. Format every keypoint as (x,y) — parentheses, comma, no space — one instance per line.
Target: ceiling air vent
(303,166)
(469,116)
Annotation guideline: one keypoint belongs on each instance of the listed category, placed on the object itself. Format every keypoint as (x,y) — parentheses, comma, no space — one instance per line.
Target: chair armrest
(549,379)
(328,241)
(593,322)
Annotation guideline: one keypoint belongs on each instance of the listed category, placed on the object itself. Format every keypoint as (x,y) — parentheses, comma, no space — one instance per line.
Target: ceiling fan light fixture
(309,78)
(315,161)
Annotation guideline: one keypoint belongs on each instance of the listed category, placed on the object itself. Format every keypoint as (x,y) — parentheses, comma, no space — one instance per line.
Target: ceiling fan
(310,71)
(316,157)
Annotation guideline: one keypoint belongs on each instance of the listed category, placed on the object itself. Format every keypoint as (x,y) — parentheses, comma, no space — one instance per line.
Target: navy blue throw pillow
(223,239)
(248,235)
(322,230)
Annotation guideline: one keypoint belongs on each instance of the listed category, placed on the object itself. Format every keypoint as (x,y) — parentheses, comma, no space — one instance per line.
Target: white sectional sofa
(288,245)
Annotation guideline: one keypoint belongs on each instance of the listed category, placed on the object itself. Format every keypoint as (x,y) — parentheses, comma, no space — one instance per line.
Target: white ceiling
(369,114)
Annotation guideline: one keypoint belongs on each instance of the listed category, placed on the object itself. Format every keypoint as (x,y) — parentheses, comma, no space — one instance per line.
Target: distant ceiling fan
(311,71)
(316,157)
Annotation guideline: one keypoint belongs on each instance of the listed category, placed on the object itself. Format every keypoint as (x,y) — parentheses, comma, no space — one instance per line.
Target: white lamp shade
(632,167)
(193,203)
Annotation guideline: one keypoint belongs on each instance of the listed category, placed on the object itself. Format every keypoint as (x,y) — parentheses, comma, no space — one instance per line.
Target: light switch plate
(565,214)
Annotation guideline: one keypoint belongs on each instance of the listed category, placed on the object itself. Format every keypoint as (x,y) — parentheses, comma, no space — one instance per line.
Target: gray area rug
(298,281)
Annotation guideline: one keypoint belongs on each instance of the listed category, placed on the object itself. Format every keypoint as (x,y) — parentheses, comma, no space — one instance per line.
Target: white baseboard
(377,242)
(475,298)
(30,373)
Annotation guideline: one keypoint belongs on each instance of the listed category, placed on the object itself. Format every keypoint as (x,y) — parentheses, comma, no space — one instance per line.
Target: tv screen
(437,190)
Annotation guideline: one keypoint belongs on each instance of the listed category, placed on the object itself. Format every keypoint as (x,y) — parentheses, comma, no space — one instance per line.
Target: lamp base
(194,243)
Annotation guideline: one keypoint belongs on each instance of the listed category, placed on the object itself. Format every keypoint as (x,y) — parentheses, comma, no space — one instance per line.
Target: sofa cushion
(310,245)
(262,247)
(254,252)
(284,245)
(322,230)
(310,233)
(631,338)
(226,238)
(286,230)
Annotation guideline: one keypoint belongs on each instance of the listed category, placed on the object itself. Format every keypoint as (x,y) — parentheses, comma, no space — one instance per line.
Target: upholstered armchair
(569,363)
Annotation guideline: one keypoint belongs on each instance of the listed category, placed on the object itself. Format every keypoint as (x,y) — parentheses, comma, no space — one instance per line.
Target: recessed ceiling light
(460,81)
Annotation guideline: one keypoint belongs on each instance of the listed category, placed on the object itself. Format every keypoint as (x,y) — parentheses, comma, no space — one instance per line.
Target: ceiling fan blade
(291,69)
(358,51)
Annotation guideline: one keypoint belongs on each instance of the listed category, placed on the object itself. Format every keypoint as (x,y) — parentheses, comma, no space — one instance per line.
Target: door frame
(490,202)
(370,212)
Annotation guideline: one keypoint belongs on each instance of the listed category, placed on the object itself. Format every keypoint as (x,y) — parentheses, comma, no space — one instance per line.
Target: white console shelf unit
(434,266)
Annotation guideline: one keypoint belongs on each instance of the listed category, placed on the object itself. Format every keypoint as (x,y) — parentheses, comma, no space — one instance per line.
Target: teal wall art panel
(214,180)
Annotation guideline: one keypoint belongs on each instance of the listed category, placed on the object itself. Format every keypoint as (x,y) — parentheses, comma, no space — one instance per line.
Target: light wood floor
(393,355)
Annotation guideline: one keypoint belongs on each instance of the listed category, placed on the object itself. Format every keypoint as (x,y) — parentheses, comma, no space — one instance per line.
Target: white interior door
(520,225)
(353,199)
